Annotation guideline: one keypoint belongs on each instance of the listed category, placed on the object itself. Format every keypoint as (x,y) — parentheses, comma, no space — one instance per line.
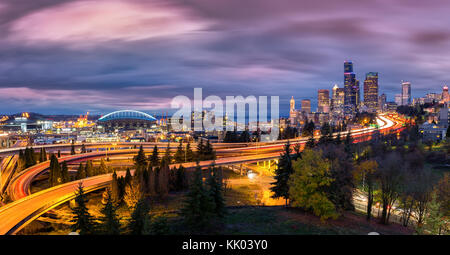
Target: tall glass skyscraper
(406,93)
(351,86)
(371,91)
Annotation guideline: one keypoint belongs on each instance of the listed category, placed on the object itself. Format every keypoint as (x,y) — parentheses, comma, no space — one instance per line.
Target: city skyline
(77,56)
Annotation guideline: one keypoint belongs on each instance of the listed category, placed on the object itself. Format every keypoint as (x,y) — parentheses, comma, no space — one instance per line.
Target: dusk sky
(61,56)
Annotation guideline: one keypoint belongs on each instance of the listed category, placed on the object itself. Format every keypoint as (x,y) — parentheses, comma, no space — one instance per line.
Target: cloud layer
(74,56)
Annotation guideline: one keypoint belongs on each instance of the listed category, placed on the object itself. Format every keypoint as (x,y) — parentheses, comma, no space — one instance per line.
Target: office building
(406,93)
(306,105)
(323,101)
(371,91)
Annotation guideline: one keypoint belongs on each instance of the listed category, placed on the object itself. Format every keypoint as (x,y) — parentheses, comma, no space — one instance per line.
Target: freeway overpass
(21,212)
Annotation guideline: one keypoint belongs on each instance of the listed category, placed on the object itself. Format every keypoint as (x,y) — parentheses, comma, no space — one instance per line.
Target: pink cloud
(87,98)
(86,23)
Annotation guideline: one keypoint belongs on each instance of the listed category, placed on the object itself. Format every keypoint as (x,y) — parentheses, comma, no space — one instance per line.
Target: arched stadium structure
(127,119)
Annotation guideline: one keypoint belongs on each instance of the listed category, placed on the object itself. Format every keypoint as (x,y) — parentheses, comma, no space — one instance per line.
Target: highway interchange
(26,207)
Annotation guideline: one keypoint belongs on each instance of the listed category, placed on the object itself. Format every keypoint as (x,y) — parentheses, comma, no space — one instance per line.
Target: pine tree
(200,150)
(189,153)
(140,160)
(81,172)
(198,207)
(83,148)
(103,169)
(216,192)
(179,154)
(311,143)
(89,168)
(139,217)
(163,181)
(128,177)
(64,172)
(72,149)
(55,171)
(82,222)
(110,224)
(167,158)
(154,158)
(151,181)
(284,170)
(348,143)
(115,190)
(209,153)
(180,179)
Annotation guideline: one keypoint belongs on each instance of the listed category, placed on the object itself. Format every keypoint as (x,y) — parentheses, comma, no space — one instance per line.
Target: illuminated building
(371,91)
(127,119)
(445,96)
(382,102)
(306,105)
(323,101)
(406,93)
(351,88)
(292,111)
(398,99)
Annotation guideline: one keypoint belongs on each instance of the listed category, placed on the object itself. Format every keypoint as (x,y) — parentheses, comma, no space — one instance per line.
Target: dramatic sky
(62,56)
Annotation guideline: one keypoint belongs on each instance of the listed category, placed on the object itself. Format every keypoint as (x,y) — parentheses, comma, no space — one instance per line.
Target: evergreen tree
(180,179)
(83,148)
(167,158)
(179,156)
(151,183)
(59,153)
(245,137)
(198,208)
(81,173)
(338,139)
(89,168)
(103,169)
(209,153)
(140,160)
(348,143)
(64,172)
(55,172)
(163,181)
(128,177)
(154,158)
(110,224)
(189,153)
(82,222)
(284,170)
(115,189)
(139,217)
(216,192)
(72,149)
(311,143)
(200,150)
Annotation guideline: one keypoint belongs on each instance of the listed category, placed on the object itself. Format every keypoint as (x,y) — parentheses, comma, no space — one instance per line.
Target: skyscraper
(323,100)
(292,111)
(398,99)
(306,105)
(445,95)
(371,91)
(382,102)
(351,87)
(406,93)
